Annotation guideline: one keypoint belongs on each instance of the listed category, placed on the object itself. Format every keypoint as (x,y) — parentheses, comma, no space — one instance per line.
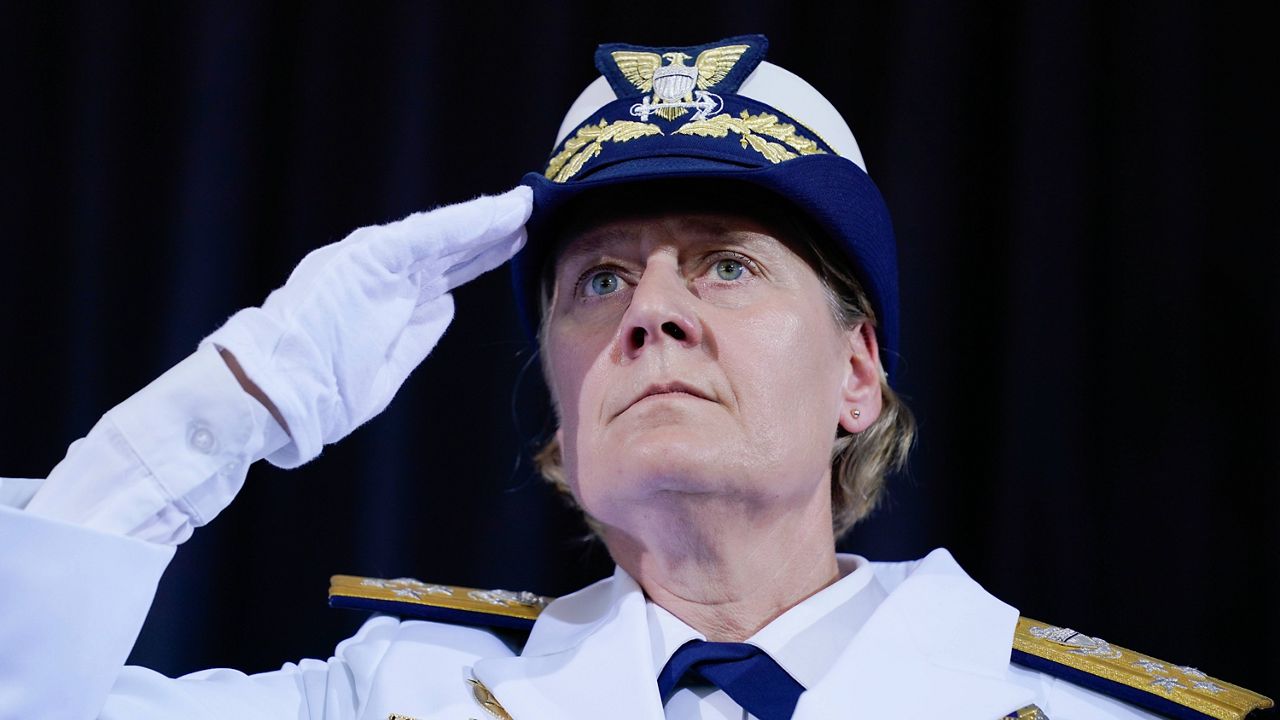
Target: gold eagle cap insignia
(712,64)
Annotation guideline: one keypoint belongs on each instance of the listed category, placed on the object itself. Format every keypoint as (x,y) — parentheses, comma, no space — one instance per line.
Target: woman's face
(695,355)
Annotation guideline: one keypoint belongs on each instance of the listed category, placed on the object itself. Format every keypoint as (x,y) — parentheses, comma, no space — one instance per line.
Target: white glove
(332,347)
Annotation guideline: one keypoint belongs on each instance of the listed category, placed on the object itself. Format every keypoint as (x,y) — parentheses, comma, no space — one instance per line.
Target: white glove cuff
(254,338)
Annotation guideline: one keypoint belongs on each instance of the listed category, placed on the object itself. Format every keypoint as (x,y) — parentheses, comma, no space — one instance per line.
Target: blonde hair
(860,462)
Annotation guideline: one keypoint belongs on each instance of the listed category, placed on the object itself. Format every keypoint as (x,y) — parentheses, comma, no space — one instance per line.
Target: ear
(861,396)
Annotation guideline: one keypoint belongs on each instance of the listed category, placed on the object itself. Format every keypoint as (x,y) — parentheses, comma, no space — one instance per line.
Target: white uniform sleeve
(312,689)
(72,604)
(165,461)
(80,565)
(73,601)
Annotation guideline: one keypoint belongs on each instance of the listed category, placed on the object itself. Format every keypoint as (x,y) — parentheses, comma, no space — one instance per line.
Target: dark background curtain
(1084,196)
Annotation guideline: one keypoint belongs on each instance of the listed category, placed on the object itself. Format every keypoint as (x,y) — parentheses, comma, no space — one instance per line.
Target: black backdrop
(1084,196)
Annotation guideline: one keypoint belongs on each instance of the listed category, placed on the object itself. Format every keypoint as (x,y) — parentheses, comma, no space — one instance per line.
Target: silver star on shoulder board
(1167,684)
(1151,666)
(1191,672)
(1212,687)
(411,582)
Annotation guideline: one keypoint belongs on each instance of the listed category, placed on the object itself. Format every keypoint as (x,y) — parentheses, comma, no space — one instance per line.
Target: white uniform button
(202,440)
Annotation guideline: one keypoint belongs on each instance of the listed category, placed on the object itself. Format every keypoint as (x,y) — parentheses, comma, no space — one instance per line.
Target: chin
(658,463)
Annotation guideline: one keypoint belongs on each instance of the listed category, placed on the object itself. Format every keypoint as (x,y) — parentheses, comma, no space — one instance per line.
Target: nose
(661,311)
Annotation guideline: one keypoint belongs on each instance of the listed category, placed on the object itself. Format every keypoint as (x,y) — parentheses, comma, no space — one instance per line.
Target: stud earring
(857,413)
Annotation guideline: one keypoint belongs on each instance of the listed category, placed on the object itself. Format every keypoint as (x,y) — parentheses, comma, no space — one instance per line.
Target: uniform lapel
(588,657)
(937,647)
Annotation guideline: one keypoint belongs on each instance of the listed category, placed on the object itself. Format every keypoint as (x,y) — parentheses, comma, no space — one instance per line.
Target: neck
(724,571)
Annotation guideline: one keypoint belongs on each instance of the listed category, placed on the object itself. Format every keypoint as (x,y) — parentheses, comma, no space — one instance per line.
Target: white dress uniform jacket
(80,562)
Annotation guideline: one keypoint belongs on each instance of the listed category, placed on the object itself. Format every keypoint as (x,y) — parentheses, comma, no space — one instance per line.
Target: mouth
(670,390)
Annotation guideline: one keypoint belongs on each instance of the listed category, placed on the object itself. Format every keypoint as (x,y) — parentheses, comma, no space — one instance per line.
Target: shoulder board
(441,603)
(1175,691)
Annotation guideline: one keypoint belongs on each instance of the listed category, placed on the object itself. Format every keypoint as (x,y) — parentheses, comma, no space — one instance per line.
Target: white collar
(936,646)
(805,640)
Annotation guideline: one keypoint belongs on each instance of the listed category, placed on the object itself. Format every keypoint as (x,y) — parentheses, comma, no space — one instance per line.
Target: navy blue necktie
(745,672)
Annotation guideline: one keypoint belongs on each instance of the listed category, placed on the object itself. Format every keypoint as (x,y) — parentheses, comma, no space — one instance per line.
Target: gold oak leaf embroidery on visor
(751,127)
(589,141)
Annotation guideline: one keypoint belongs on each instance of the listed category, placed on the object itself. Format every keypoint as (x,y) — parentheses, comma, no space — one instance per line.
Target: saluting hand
(329,349)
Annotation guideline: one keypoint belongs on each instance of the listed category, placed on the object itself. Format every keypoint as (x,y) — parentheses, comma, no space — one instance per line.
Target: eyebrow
(590,243)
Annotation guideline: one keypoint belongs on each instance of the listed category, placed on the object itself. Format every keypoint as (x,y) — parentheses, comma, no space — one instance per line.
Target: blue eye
(729,269)
(604,282)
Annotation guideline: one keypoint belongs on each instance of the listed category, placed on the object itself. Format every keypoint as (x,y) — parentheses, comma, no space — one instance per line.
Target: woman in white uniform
(711,275)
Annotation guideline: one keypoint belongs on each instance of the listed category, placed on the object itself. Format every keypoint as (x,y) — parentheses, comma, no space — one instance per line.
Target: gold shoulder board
(1159,686)
(441,603)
